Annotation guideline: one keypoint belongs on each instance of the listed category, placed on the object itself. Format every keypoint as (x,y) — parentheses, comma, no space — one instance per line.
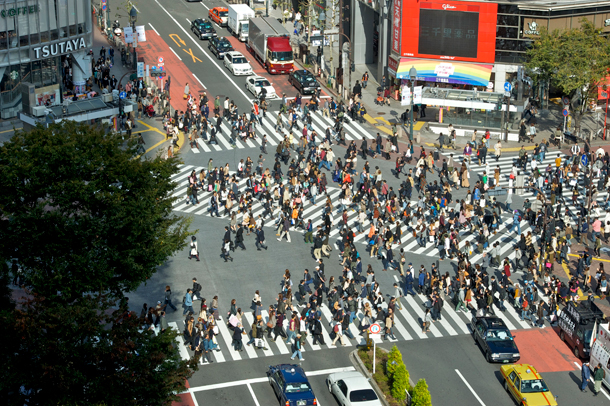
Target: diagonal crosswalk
(408,243)
(353,131)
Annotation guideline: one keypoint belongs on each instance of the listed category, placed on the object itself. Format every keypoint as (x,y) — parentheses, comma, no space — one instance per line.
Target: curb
(359,365)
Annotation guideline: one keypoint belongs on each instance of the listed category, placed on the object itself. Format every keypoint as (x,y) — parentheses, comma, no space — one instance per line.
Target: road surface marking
(253,395)
(151,26)
(470,387)
(177,56)
(265,379)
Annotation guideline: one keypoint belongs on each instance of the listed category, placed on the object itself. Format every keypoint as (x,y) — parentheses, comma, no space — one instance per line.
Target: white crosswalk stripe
(407,326)
(353,131)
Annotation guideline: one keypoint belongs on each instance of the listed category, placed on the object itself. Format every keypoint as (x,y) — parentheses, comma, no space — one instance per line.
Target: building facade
(44,43)
(464,44)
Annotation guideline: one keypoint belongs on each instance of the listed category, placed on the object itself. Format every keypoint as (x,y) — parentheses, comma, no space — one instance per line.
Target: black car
(203,29)
(304,81)
(220,46)
(290,385)
(495,339)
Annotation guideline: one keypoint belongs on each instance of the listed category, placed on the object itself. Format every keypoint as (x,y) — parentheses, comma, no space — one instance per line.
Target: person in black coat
(260,239)
(238,332)
(239,238)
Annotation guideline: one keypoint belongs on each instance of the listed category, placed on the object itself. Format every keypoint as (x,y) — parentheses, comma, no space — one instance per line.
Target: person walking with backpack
(338,331)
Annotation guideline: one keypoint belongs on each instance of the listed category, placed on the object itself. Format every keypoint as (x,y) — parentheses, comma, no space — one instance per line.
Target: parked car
(256,84)
(495,339)
(290,385)
(237,63)
(203,29)
(352,389)
(219,15)
(304,81)
(219,46)
(526,386)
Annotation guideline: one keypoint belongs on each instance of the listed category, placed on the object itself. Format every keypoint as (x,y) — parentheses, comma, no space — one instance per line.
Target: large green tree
(87,221)
(81,214)
(573,60)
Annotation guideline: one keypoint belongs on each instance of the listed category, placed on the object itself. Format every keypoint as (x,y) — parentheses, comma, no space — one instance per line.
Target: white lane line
(195,150)
(265,379)
(592,380)
(189,21)
(177,56)
(253,395)
(151,26)
(469,387)
(181,347)
(223,71)
(206,7)
(200,82)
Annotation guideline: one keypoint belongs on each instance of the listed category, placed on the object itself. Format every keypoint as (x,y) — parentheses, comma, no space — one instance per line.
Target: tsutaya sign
(58,48)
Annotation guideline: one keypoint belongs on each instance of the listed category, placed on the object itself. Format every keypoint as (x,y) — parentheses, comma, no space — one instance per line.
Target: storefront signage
(12,12)
(448,7)
(58,48)
(396,26)
(532,29)
(444,70)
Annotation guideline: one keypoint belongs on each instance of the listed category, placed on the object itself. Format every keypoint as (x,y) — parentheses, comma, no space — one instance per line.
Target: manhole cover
(381,113)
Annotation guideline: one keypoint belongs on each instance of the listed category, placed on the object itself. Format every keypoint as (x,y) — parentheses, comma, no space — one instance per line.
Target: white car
(256,84)
(352,389)
(237,63)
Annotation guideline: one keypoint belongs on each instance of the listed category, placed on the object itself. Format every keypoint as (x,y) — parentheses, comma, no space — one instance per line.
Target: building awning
(463,73)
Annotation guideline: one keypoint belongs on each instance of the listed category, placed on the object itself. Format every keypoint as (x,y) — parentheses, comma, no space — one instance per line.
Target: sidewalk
(151,129)
(383,117)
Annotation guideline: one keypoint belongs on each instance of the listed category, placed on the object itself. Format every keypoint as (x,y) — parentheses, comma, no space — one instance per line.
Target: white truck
(238,21)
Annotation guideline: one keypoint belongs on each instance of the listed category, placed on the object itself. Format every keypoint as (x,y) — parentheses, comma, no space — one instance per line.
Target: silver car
(352,389)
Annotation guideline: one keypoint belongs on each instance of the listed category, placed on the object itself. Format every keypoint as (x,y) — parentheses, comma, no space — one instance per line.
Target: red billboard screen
(451,30)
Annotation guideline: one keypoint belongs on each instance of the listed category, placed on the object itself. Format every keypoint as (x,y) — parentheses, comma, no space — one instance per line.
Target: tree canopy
(87,221)
(81,214)
(573,60)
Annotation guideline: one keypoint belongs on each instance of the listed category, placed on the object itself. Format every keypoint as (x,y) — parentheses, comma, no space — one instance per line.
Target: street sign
(583,160)
(565,100)
(160,64)
(161,59)
(507,87)
(140,69)
(565,112)
(375,328)
(122,95)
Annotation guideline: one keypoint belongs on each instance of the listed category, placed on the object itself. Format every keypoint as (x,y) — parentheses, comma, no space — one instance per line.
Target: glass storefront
(26,28)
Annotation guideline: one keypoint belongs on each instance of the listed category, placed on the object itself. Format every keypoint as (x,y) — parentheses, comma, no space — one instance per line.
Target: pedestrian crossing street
(505,164)
(353,131)
(409,243)
(407,327)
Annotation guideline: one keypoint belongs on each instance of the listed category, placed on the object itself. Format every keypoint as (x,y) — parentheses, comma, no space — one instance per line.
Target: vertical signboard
(396,26)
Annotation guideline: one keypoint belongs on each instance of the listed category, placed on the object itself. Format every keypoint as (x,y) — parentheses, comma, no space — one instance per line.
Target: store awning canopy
(463,73)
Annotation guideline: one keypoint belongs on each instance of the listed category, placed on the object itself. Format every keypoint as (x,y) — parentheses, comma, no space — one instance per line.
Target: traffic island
(391,378)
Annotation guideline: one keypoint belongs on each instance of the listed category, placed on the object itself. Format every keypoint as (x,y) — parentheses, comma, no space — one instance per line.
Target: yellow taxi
(526,386)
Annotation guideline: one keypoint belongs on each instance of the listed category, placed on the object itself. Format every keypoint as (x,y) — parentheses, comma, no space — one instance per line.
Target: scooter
(116,28)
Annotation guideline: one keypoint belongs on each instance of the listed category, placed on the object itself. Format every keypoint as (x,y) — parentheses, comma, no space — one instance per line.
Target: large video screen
(448,33)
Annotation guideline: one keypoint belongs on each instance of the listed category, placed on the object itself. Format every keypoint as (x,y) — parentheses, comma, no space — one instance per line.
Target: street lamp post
(133,17)
(412,76)
(322,18)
